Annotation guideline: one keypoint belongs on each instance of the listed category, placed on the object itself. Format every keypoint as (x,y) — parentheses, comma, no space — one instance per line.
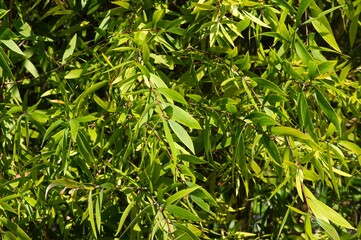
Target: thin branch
(167,221)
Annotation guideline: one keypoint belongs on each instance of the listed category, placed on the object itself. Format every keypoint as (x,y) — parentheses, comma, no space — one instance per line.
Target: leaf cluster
(216,119)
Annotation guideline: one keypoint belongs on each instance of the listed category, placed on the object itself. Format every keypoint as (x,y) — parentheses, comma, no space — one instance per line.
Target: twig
(167,221)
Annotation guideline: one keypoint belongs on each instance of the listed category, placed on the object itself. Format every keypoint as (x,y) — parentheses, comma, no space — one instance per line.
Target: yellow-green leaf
(324,212)
(182,213)
(69,49)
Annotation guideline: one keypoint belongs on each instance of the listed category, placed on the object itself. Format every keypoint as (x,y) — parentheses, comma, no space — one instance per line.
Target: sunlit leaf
(13,46)
(324,212)
(69,49)
(182,213)
(262,119)
(182,134)
(172,94)
(328,110)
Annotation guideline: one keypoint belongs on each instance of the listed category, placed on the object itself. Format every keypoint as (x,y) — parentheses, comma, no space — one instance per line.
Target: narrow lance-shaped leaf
(69,49)
(124,217)
(15,229)
(213,34)
(183,117)
(13,46)
(169,138)
(182,213)
(322,26)
(255,19)
(91,214)
(180,194)
(4,65)
(74,127)
(302,52)
(89,90)
(240,155)
(288,131)
(172,94)
(329,229)
(182,135)
(328,110)
(354,25)
(261,82)
(324,212)
(84,147)
(354,148)
(262,119)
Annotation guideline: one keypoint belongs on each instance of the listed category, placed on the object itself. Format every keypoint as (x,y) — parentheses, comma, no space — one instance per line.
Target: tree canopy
(181,119)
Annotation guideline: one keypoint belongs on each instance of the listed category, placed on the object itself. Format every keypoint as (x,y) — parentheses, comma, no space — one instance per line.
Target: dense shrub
(216,119)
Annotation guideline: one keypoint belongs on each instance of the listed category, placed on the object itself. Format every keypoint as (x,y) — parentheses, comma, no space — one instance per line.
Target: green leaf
(74,128)
(90,90)
(182,213)
(299,182)
(354,25)
(98,207)
(329,229)
(261,82)
(69,49)
(6,34)
(38,117)
(240,156)
(180,194)
(191,159)
(213,34)
(91,213)
(13,46)
(157,16)
(272,149)
(172,94)
(322,25)
(73,74)
(50,129)
(103,27)
(302,109)
(328,110)
(324,212)
(302,52)
(84,147)
(3,12)
(204,194)
(14,228)
(183,117)
(255,19)
(262,119)
(88,118)
(100,102)
(124,4)
(185,232)
(145,52)
(202,204)
(7,207)
(182,135)
(4,65)
(124,217)
(144,70)
(169,138)
(31,68)
(352,147)
(284,4)
(226,35)
(158,82)
(326,34)
(288,131)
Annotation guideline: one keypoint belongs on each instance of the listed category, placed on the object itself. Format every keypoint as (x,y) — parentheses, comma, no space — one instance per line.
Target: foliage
(216,119)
